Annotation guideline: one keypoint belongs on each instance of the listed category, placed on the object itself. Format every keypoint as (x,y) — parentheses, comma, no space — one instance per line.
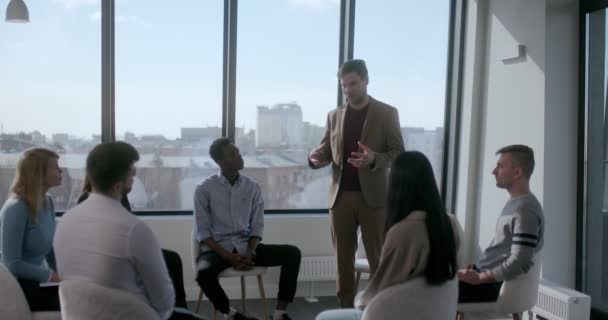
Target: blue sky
(169,63)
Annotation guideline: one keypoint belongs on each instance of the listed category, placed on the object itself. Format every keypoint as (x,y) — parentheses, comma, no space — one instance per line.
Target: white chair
(361,262)
(414,299)
(13,304)
(82,299)
(516,296)
(340,314)
(258,272)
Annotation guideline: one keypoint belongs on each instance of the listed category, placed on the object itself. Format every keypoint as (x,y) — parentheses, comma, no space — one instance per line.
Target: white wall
(515,102)
(515,98)
(310,233)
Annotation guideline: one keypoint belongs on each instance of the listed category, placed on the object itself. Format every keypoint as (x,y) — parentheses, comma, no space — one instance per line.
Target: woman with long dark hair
(27,226)
(421,240)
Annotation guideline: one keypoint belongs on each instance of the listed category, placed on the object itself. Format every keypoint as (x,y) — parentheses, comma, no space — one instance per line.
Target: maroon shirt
(353,126)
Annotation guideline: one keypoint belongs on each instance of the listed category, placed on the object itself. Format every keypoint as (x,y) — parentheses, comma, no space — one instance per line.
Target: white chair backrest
(84,300)
(414,299)
(12,301)
(521,293)
(360,254)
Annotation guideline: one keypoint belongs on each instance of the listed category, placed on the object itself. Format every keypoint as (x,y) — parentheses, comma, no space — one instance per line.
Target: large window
(50,89)
(406,54)
(169,96)
(286,84)
(595,249)
(174,77)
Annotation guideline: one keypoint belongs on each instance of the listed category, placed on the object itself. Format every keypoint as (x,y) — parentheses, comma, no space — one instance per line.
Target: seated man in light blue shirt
(229,223)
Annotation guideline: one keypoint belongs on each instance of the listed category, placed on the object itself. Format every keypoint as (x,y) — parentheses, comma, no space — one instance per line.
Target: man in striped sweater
(519,230)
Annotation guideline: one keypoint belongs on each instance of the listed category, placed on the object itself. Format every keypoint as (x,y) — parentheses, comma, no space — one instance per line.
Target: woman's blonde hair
(30,178)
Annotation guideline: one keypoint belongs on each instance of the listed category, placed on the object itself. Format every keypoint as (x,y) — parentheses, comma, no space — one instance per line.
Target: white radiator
(558,303)
(322,268)
(318,268)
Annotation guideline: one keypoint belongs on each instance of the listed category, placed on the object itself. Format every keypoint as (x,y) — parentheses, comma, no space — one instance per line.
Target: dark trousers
(176,273)
(473,293)
(40,298)
(185,315)
(211,265)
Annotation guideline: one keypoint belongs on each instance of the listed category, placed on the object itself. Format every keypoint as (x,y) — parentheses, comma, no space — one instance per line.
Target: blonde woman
(27,226)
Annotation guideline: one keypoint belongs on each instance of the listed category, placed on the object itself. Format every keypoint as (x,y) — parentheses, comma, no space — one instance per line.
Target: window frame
(586,7)
(346,38)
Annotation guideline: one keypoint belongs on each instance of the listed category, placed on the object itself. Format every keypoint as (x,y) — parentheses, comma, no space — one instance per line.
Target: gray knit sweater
(519,235)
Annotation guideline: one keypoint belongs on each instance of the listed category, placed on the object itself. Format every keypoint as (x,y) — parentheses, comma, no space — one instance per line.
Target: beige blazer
(381,133)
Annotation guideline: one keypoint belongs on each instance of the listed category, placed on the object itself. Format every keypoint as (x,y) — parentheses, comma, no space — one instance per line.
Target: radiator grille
(559,303)
(318,268)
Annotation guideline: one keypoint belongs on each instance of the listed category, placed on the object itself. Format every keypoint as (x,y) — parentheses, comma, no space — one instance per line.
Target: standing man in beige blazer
(362,137)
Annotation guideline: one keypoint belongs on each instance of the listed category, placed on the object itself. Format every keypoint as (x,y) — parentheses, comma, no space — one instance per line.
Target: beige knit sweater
(404,255)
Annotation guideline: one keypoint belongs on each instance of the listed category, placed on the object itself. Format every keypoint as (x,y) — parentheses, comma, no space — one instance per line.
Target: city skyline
(241,130)
(169,170)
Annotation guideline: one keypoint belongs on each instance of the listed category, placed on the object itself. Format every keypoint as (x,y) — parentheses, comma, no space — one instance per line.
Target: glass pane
(50,78)
(286,84)
(406,54)
(596,242)
(169,95)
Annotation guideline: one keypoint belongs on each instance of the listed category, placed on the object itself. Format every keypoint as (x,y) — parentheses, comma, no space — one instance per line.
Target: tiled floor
(301,309)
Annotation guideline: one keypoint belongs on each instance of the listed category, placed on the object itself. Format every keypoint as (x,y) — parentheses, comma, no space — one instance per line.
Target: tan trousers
(349,212)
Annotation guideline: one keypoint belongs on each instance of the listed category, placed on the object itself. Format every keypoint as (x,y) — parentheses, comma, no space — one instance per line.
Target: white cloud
(70,4)
(314,4)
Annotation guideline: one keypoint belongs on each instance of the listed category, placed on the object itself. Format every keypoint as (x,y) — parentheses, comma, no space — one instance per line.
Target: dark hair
(412,187)
(216,150)
(356,65)
(109,163)
(86,185)
(523,157)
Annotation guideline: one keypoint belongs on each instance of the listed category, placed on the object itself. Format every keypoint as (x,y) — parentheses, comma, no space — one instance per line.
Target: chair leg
(530,315)
(243,295)
(214,311)
(460,316)
(357,278)
(198,303)
(516,316)
(263,296)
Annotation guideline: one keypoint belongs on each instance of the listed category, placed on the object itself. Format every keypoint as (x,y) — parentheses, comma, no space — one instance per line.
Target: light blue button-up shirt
(230,214)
